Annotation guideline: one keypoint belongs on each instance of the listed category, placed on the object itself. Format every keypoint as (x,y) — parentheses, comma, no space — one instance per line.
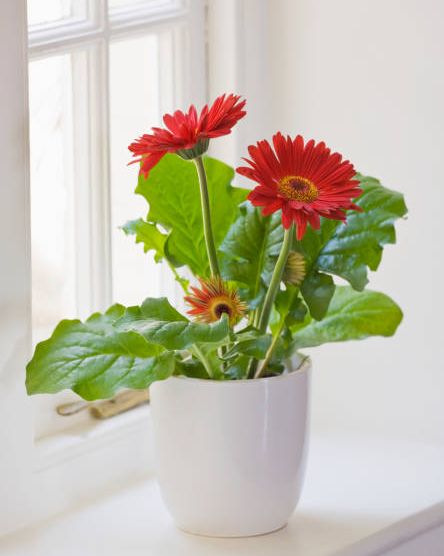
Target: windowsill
(89,436)
(82,464)
(355,488)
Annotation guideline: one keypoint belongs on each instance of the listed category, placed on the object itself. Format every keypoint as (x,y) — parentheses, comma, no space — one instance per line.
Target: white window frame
(94,267)
(40,479)
(91,120)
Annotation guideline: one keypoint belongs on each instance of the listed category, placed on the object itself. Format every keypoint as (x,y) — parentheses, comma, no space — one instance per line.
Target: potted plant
(230,387)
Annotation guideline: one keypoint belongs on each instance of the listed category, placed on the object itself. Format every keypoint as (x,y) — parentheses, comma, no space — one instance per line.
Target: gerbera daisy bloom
(188,134)
(213,299)
(305,181)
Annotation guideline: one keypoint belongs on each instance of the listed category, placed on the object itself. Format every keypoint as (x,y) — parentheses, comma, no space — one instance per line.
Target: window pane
(137,102)
(49,11)
(53,206)
(65,202)
(51,141)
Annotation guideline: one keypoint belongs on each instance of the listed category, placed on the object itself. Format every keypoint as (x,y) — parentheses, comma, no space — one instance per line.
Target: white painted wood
(15,277)
(428,542)
(99,175)
(422,533)
(142,13)
(355,487)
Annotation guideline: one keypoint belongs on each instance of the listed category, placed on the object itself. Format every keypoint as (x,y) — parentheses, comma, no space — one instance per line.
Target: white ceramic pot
(231,455)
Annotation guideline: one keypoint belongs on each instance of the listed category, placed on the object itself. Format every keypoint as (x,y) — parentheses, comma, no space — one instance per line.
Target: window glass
(50,11)
(52,193)
(88,101)
(135,106)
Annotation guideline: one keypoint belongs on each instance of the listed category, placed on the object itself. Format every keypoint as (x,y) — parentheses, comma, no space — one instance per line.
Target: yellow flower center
(298,188)
(221,305)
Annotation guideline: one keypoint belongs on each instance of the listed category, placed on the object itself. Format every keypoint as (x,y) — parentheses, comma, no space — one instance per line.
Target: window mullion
(78,175)
(100,214)
(89,172)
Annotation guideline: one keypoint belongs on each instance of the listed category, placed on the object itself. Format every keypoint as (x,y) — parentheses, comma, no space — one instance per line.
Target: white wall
(238,62)
(15,306)
(367,76)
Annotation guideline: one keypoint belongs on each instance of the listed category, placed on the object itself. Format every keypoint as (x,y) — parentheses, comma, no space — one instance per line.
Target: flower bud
(294,272)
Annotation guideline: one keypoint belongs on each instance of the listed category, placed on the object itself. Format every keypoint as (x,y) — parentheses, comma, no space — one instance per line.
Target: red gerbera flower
(188,134)
(213,299)
(304,181)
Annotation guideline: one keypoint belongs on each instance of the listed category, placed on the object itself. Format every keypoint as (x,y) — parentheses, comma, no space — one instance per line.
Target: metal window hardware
(124,401)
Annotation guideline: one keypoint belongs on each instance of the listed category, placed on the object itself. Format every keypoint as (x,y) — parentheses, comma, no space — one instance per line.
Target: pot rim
(304,367)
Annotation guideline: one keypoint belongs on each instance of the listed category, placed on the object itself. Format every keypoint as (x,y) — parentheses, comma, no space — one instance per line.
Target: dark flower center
(222,308)
(298,188)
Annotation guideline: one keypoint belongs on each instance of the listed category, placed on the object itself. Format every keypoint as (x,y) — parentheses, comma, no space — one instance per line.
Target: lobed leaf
(254,347)
(96,360)
(349,249)
(252,243)
(289,306)
(318,289)
(173,194)
(238,369)
(149,235)
(190,367)
(158,322)
(351,316)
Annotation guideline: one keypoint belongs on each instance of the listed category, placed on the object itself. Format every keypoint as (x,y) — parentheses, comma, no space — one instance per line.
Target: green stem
(208,230)
(203,359)
(276,337)
(270,350)
(206,217)
(275,280)
(255,314)
(262,322)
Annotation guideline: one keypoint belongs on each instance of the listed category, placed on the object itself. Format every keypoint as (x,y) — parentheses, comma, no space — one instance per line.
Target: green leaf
(238,368)
(172,191)
(349,249)
(289,307)
(160,323)
(253,347)
(210,351)
(351,316)
(317,290)
(147,234)
(252,243)
(190,367)
(96,360)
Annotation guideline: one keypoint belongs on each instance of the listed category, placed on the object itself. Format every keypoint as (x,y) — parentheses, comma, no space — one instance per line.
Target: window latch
(124,401)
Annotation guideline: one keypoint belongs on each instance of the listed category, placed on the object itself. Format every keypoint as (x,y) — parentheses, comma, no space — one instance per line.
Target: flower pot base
(230,535)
